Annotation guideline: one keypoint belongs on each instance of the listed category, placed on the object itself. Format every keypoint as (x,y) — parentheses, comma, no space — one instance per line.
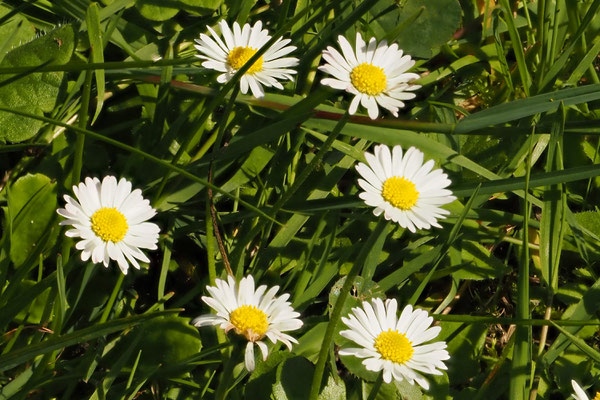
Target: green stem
(210,246)
(111,300)
(336,314)
(376,387)
(227,374)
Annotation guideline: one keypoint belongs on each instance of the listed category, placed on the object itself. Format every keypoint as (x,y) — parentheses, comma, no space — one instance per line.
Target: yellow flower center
(597,396)
(368,79)
(400,192)
(240,56)
(250,322)
(394,346)
(109,224)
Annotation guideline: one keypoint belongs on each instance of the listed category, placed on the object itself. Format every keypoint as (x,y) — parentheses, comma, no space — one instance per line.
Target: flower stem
(111,300)
(223,387)
(376,387)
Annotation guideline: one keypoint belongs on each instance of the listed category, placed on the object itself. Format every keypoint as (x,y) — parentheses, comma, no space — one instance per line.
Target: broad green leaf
(154,11)
(165,341)
(32,210)
(354,364)
(157,10)
(333,390)
(408,391)
(418,26)
(35,93)
(310,343)
(465,344)
(438,387)
(589,220)
(13,32)
(260,384)
(288,377)
(570,293)
(294,377)
(572,363)
(392,391)
(387,391)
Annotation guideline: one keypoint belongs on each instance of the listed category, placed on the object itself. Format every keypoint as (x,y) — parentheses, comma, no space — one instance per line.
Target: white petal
(347,51)
(264,349)
(361,49)
(249,356)
(354,104)
(579,393)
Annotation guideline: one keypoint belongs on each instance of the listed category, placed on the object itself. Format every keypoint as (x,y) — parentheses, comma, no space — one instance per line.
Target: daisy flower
(395,345)
(237,47)
(374,74)
(580,394)
(252,313)
(403,188)
(111,220)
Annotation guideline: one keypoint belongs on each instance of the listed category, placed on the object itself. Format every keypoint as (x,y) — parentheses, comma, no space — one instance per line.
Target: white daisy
(238,47)
(251,313)
(374,74)
(394,344)
(110,218)
(403,188)
(580,394)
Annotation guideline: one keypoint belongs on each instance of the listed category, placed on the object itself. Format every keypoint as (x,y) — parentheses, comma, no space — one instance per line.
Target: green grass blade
(516,45)
(584,64)
(519,387)
(92,19)
(558,65)
(145,155)
(336,313)
(583,346)
(586,308)
(537,180)
(552,224)
(451,238)
(526,107)
(24,354)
